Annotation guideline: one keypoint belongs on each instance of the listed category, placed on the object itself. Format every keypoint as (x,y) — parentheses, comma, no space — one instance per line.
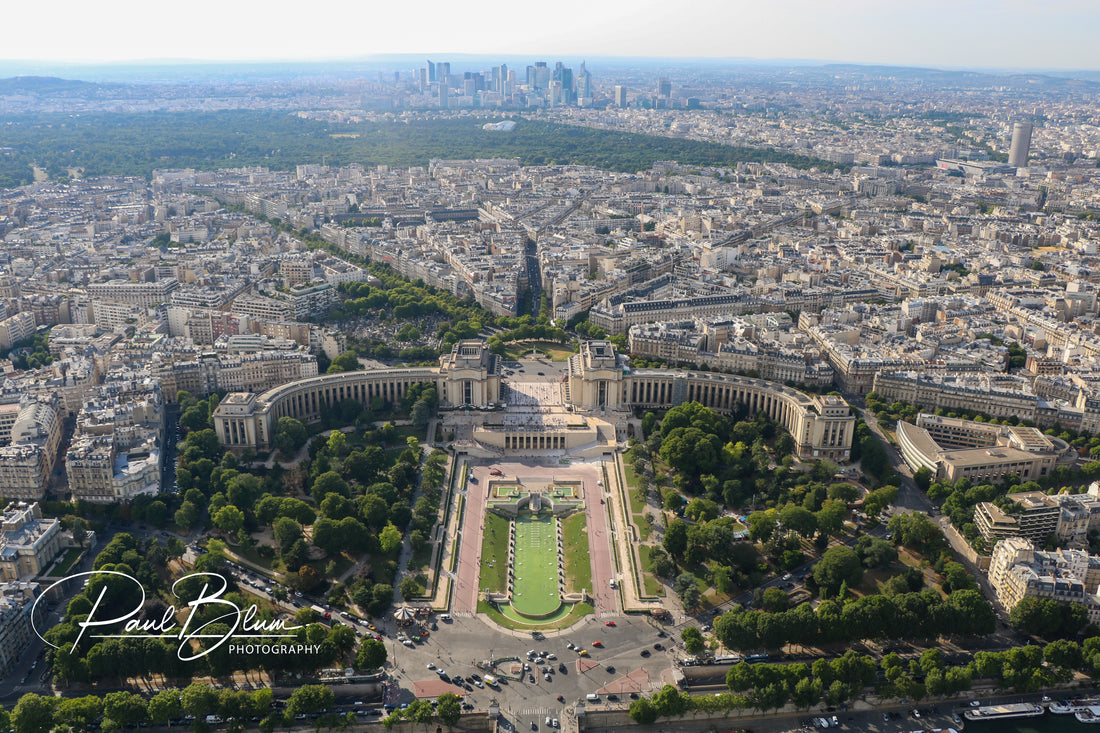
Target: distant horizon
(976,34)
(10,68)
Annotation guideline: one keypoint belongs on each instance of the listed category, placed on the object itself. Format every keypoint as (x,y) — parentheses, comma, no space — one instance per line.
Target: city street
(456,646)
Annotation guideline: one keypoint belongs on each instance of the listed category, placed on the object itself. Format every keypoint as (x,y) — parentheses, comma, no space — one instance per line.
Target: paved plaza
(534,403)
(530,472)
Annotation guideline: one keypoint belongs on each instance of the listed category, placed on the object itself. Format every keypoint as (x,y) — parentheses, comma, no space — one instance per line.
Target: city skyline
(1001,34)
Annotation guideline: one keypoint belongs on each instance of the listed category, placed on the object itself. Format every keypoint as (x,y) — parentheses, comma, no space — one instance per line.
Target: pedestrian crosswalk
(539,711)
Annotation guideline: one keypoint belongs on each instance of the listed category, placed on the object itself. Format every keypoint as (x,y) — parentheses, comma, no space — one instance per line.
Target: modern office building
(952,449)
(1021,144)
(620,95)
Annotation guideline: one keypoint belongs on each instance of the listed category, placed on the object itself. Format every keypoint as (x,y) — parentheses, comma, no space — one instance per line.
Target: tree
(372,654)
(669,702)
(923,477)
(688,589)
(1064,653)
(409,587)
(337,444)
(229,519)
(723,580)
(761,525)
(879,499)
(309,699)
(187,515)
(449,709)
(420,414)
(198,699)
(642,712)
(690,450)
(917,532)
(662,564)
(286,531)
(830,518)
(308,577)
(290,435)
(876,553)
(1046,617)
(774,600)
(345,362)
(164,706)
(420,711)
(33,713)
(125,708)
(327,483)
(80,532)
(78,713)
(798,519)
(702,510)
(675,541)
(295,556)
(693,640)
(873,458)
(389,539)
(838,565)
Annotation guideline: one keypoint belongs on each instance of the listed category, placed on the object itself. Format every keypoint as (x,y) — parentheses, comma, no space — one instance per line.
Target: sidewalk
(630,572)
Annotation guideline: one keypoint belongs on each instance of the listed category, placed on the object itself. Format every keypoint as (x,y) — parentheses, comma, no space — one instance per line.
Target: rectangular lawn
(535,591)
(578,565)
(494,554)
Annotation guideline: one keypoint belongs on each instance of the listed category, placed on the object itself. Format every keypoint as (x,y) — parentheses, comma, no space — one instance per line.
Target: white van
(592,697)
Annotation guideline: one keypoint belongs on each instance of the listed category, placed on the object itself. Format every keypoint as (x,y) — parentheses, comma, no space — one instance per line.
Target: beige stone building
(1017,570)
(16,633)
(28,460)
(28,542)
(598,382)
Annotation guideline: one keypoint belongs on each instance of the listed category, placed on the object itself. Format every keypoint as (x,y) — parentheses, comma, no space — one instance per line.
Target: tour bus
(727,659)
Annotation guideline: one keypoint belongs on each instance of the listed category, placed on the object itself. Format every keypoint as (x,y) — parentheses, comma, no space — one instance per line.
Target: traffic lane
(909,496)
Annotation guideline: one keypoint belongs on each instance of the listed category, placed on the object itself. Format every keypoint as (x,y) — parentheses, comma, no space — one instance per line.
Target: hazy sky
(984,33)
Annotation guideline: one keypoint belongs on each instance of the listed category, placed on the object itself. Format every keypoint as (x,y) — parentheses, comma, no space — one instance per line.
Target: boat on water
(1069,707)
(1088,714)
(1005,712)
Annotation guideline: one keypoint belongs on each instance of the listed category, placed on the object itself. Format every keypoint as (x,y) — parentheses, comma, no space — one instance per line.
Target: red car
(496,472)
(609,623)
(598,643)
(561,699)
